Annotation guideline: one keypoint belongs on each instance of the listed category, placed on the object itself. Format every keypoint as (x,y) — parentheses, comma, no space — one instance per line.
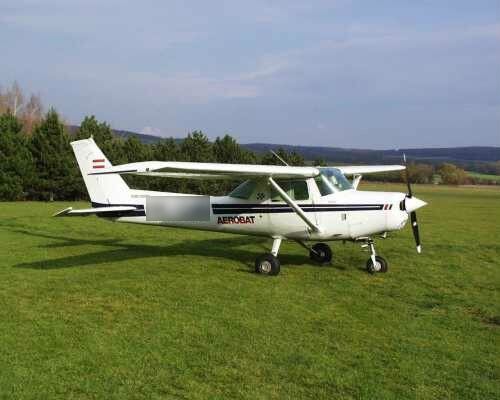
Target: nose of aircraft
(413,204)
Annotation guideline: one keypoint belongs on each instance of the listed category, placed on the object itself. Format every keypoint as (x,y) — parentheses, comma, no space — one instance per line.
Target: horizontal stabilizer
(69,212)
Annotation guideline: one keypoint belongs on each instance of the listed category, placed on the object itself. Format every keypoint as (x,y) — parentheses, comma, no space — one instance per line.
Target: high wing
(368,169)
(177,169)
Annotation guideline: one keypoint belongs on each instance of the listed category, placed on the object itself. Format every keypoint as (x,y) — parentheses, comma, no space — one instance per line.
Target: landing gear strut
(375,263)
(269,264)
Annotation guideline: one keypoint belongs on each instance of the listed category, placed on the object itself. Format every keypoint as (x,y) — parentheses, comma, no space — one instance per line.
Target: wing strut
(294,206)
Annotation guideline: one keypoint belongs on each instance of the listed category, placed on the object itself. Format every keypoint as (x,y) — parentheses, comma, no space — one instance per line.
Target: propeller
(410,205)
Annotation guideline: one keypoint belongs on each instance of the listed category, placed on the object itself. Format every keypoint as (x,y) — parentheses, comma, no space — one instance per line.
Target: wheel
(321,253)
(381,265)
(267,264)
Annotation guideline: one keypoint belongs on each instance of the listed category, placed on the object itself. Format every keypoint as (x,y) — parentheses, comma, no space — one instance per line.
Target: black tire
(382,267)
(321,253)
(267,264)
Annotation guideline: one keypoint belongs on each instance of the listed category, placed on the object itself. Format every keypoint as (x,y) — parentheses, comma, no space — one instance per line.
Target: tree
(197,148)
(17,170)
(133,150)
(319,162)
(452,175)
(166,150)
(14,98)
(57,174)
(29,113)
(227,150)
(101,133)
(32,114)
(420,173)
(292,158)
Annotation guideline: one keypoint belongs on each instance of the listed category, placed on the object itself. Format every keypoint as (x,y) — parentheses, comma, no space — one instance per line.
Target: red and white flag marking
(98,163)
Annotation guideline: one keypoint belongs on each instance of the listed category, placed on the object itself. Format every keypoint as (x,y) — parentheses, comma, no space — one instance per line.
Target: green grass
(94,309)
(485,177)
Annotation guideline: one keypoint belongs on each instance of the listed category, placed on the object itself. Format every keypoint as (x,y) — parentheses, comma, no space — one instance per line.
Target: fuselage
(343,215)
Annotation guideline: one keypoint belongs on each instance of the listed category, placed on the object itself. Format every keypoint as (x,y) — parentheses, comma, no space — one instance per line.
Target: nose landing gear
(375,263)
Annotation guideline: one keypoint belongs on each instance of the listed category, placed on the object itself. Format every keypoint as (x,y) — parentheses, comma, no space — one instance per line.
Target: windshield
(331,180)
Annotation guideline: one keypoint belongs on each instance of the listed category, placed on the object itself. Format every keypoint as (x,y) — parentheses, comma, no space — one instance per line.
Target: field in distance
(95,309)
(485,177)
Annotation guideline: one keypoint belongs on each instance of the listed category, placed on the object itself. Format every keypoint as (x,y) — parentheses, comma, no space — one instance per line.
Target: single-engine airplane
(304,204)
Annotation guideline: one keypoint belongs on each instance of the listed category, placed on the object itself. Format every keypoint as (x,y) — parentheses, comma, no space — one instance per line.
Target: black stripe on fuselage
(242,208)
(285,208)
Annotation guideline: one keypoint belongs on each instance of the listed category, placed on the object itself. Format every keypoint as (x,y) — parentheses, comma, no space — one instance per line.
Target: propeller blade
(414,228)
(407,177)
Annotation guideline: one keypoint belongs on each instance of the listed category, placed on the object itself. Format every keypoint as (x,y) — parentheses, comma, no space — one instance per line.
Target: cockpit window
(331,180)
(295,189)
(244,191)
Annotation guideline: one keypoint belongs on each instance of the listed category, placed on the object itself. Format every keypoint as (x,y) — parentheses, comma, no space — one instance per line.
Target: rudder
(103,189)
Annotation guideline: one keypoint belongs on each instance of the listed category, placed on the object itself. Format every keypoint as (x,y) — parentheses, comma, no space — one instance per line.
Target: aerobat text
(236,220)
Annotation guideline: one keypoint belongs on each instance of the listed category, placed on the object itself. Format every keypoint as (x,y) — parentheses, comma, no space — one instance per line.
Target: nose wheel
(375,263)
(379,266)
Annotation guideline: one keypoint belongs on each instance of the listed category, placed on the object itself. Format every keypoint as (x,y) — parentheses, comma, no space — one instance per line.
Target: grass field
(485,177)
(94,309)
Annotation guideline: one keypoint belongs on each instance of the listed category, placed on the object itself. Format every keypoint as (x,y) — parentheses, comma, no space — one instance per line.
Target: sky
(363,74)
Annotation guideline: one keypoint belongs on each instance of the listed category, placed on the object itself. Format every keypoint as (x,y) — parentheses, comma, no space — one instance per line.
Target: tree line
(41,165)
(37,162)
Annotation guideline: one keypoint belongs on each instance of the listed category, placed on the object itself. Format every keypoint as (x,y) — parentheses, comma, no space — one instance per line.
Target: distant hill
(430,155)
(148,139)
(457,155)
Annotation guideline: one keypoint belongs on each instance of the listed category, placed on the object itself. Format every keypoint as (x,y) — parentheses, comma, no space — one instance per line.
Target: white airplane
(304,204)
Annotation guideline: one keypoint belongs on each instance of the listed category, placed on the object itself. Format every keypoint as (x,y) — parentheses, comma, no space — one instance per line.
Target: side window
(300,191)
(297,190)
(244,191)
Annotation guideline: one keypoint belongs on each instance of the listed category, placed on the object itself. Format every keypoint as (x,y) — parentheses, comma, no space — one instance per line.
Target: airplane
(302,204)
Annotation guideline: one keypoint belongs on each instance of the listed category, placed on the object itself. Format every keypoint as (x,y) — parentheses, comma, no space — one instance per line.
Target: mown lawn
(94,309)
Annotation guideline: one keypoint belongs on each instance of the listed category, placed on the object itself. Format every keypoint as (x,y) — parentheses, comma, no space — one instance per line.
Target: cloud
(149,130)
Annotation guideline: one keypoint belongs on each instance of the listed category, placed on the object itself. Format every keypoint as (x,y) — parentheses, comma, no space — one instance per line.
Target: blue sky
(369,74)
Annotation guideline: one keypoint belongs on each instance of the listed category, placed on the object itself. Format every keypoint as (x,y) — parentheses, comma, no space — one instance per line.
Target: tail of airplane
(103,190)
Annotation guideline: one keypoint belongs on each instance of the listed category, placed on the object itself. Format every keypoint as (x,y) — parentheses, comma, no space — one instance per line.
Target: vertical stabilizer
(103,189)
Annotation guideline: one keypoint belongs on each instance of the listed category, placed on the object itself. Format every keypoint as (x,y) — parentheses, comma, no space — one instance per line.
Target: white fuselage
(344,215)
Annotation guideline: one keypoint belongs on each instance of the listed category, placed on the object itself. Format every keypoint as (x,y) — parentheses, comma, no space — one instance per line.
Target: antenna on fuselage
(279,158)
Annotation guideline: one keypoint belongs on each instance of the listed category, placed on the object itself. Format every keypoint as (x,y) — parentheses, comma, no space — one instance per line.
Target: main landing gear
(269,263)
(321,253)
(375,263)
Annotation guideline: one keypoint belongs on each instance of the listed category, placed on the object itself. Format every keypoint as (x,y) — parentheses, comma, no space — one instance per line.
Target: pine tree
(100,132)
(57,175)
(16,164)
(291,158)
(227,150)
(197,148)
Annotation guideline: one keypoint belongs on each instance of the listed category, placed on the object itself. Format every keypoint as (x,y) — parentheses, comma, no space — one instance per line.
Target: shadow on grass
(224,248)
